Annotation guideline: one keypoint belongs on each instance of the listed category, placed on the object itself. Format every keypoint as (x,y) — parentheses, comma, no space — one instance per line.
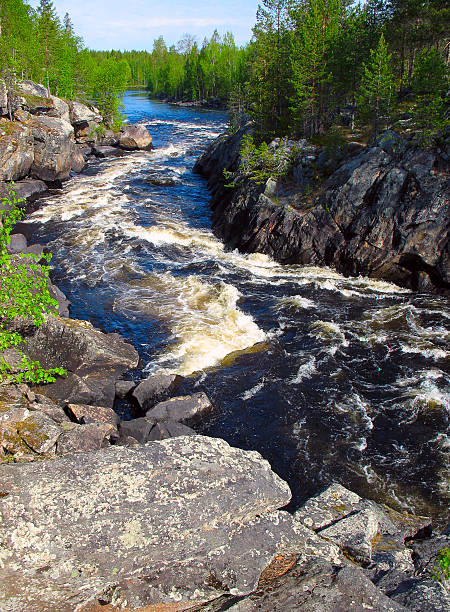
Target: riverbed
(329,378)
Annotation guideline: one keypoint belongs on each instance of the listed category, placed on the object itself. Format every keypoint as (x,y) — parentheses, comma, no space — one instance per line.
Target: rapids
(329,378)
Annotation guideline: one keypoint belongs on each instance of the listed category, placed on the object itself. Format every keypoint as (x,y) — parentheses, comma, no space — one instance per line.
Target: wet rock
(16,150)
(53,146)
(135,137)
(155,389)
(161,181)
(188,518)
(103,152)
(188,409)
(422,595)
(84,438)
(124,388)
(81,413)
(17,244)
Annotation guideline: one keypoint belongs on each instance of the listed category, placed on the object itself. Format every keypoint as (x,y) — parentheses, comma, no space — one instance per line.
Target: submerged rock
(188,518)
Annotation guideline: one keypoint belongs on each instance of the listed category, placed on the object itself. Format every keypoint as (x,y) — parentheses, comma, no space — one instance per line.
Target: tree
(111,80)
(48,29)
(317,25)
(375,100)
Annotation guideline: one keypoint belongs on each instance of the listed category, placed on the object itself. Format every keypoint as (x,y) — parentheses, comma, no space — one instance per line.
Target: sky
(134,24)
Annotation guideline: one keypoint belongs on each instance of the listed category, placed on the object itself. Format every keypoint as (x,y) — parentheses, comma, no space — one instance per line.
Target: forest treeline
(310,61)
(310,64)
(38,45)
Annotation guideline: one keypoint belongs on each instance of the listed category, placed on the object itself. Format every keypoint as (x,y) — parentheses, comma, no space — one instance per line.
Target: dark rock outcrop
(53,148)
(382,213)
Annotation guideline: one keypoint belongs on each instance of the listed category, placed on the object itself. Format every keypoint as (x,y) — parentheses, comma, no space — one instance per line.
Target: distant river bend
(330,378)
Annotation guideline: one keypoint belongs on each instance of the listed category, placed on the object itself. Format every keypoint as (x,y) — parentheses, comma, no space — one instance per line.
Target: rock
(169,429)
(17,244)
(94,360)
(84,438)
(422,595)
(185,519)
(138,429)
(124,388)
(103,152)
(155,389)
(162,182)
(53,146)
(80,113)
(363,529)
(82,414)
(60,109)
(316,586)
(108,139)
(33,89)
(77,161)
(58,295)
(43,404)
(16,150)
(381,213)
(187,409)
(135,137)
(354,535)
(29,188)
(23,433)
(148,430)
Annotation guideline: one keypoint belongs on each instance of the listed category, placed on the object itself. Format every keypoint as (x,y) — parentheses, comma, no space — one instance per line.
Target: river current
(329,378)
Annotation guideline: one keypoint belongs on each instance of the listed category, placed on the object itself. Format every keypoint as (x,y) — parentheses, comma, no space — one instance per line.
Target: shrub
(442,569)
(24,297)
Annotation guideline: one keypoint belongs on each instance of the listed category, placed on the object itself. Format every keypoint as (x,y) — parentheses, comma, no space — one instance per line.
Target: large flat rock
(187,518)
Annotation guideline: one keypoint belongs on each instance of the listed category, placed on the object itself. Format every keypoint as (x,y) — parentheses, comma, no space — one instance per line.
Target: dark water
(329,378)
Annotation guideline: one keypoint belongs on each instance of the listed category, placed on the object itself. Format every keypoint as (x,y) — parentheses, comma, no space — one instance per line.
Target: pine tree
(317,25)
(48,27)
(375,100)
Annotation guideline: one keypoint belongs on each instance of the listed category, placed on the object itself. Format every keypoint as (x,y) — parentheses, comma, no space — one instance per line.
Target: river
(329,378)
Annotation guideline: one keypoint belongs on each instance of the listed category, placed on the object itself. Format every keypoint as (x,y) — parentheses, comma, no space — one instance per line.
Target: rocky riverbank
(378,211)
(45,139)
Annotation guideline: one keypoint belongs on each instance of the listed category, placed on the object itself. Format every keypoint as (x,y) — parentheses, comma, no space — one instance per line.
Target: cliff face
(382,212)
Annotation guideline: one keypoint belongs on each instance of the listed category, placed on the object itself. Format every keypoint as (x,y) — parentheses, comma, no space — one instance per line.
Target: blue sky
(134,24)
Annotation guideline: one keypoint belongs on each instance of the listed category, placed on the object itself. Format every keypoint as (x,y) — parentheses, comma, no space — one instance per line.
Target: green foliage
(258,163)
(24,297)
(442,569)
(375,100)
